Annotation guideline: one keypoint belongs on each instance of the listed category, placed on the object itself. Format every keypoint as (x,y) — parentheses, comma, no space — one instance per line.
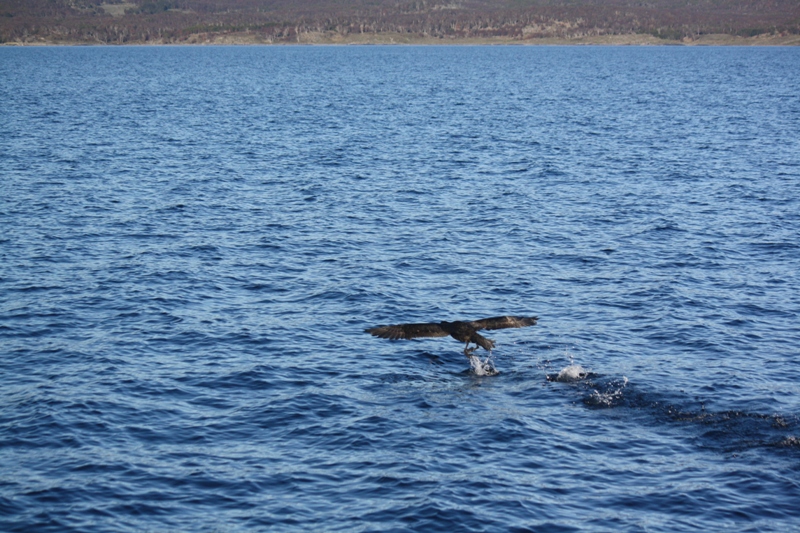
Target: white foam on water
(482,368)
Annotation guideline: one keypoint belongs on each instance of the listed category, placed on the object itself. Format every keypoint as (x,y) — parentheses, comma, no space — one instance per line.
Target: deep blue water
(192,241)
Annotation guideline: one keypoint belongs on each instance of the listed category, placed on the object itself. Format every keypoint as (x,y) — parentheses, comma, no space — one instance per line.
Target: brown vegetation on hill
(287,21)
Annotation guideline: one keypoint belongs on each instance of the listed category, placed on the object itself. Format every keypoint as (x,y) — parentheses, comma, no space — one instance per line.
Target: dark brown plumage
(461,331)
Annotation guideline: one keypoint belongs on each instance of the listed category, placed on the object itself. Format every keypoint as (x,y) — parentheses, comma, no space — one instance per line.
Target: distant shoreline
(311,38)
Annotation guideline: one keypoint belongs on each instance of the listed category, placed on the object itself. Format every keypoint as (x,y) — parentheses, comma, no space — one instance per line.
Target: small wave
(788,442)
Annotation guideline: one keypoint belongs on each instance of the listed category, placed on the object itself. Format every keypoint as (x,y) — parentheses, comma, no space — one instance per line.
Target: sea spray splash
(571,373)
(482,368)
(610,397)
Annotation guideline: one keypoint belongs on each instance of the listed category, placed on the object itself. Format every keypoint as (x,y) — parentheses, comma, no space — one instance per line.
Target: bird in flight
(466,332)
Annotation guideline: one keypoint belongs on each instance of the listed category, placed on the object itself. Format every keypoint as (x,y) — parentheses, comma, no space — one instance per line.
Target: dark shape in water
(461,331)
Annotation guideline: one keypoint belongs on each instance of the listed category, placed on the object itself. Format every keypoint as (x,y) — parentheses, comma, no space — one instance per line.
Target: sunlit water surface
(194,239)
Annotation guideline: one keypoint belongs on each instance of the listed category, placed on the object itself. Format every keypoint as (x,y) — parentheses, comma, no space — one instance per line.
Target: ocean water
(193,240)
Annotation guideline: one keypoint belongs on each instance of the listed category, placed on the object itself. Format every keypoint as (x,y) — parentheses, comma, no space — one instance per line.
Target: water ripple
(194,240)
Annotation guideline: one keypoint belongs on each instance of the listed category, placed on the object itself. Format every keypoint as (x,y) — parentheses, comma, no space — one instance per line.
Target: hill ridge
(398,21)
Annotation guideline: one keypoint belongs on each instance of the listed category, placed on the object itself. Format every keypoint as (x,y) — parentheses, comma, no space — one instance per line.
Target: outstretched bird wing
(408,331)
(501,322)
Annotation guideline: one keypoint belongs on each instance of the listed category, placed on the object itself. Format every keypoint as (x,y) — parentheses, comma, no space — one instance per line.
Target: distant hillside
(290,21)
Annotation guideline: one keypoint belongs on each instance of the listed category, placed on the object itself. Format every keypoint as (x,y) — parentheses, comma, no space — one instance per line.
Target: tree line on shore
(175,21)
